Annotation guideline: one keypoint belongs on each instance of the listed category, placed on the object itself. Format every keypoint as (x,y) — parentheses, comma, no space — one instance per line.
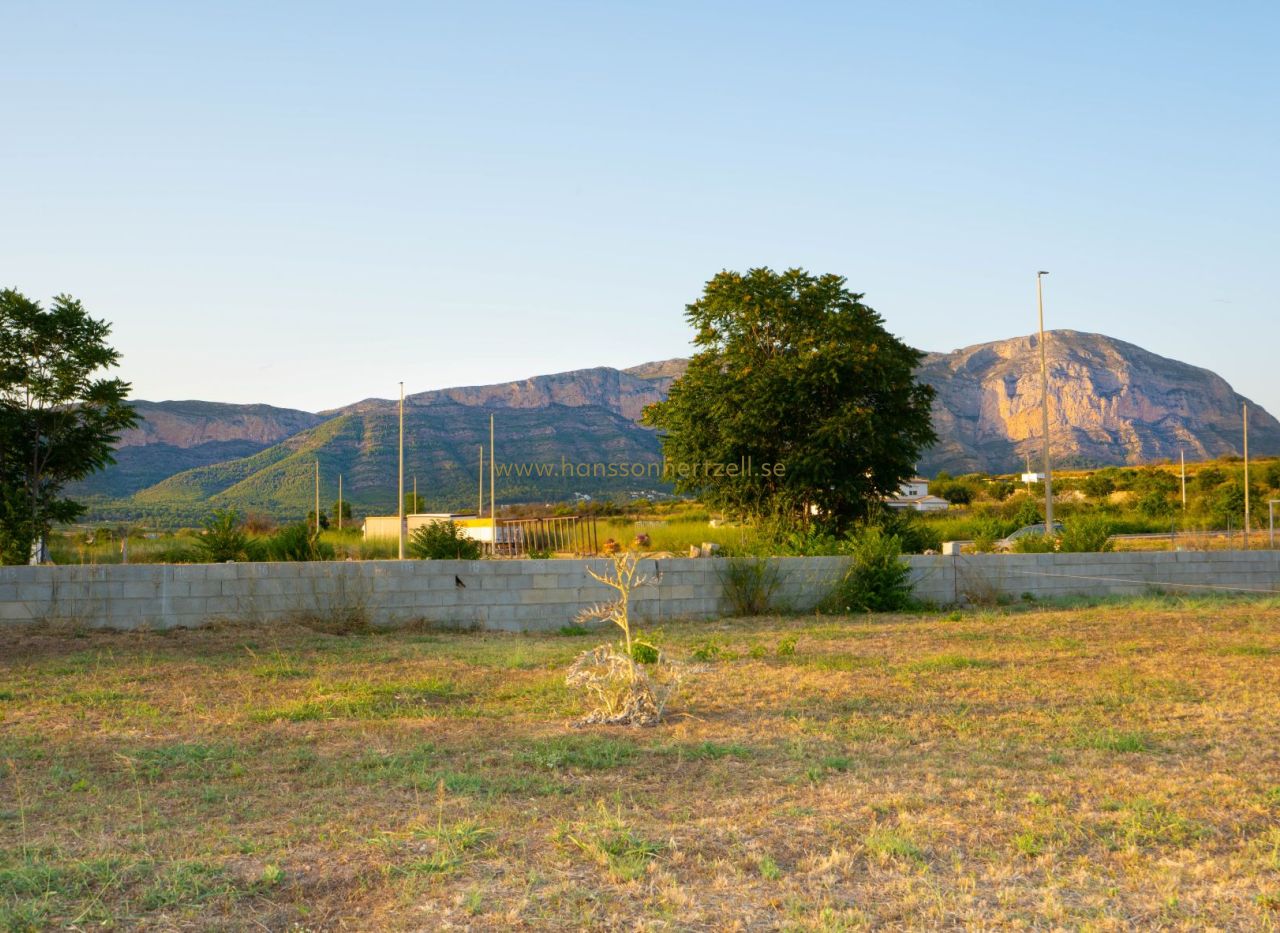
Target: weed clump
(878,580)
(629,683)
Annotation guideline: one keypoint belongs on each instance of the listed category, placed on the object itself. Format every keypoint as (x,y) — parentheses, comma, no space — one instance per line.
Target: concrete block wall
(547,594)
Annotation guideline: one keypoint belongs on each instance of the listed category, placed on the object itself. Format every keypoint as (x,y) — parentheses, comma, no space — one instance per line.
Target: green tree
(794,372)
(414,504)
(59,418)
(345,510)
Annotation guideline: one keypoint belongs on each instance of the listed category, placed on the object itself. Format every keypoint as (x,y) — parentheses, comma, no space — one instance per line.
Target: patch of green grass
(183,761)
(184,884)
(942,663)
(886,844)
(619,849)
(706,651)
(711,751)
(1028,844)
(1109,740)
(586,752)
(366,700)
(838,662)
(1143,823)
(1248,650)
(409,766)
(769,869)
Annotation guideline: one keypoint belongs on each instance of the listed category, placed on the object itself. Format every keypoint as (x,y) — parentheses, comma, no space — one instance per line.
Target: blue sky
(306,203)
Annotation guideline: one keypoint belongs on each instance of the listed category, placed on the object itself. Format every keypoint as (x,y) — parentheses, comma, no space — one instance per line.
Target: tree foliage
(443,540)
(793,371)
(59,418)
(223,538)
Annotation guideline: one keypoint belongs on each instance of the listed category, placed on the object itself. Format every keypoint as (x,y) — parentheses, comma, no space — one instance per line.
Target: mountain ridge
(1111,402)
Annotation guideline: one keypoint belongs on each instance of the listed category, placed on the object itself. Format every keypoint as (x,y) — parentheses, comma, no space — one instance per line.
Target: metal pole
(339,501)
(400,483)
(493,503)
(1247,526)
(317,498)
(1044,409)
(1271,520)
(415,493)
(1182,457)
(480,497)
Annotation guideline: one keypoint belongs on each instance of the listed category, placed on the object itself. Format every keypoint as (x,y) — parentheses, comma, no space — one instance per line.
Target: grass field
(1096,768)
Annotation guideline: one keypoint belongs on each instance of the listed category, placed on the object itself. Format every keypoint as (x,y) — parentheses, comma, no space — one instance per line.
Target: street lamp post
(400,484)
(1271,519)
(1044,409)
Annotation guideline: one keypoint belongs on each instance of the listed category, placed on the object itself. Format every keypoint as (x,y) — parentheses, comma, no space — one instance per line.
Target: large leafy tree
(793,371)
(59,416)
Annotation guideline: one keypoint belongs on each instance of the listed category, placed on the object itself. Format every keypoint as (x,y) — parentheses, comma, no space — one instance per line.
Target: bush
(223,538)
(914,535)
(443,541)
(1035,544)
(1085,533)
(877,578)
(297,543)
(1028,513)
(748,584)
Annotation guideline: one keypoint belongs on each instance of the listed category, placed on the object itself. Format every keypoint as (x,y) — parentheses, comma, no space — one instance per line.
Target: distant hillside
(620,392)
(441,450)
(177,436)
(1111,403)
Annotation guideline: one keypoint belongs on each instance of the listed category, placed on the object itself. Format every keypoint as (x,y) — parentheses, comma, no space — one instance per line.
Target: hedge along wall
(547,594)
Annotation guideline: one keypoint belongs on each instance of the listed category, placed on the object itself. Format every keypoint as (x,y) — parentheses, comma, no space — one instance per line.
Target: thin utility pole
(317,498)
(480,498)
(339,501)
(1044,410)
(493,503)
(415,492)
(1246,478)
(400,483)
(1182,457)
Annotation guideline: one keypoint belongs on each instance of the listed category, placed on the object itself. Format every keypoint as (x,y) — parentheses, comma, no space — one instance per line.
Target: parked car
(1006,544)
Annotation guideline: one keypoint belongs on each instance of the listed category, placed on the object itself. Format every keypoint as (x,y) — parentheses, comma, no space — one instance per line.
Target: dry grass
(1098,768)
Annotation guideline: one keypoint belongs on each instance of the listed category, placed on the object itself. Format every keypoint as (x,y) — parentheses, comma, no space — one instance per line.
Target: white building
(914,494)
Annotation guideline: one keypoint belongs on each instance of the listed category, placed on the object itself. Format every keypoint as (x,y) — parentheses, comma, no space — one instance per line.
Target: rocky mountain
(619,391)
(183,435)
(1110,402)
(191,424)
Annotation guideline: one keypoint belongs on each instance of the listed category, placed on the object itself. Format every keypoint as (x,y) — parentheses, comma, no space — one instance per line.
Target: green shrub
(914,534)
(1035,544)
(443,541)
(1028,513)
(877,578)
(1085,533)
(644,652)
(297,543)
(987,532)
(223,538)
(749,583)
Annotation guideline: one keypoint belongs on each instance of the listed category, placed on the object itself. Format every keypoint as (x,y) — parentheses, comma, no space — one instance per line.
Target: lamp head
(1041,272)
